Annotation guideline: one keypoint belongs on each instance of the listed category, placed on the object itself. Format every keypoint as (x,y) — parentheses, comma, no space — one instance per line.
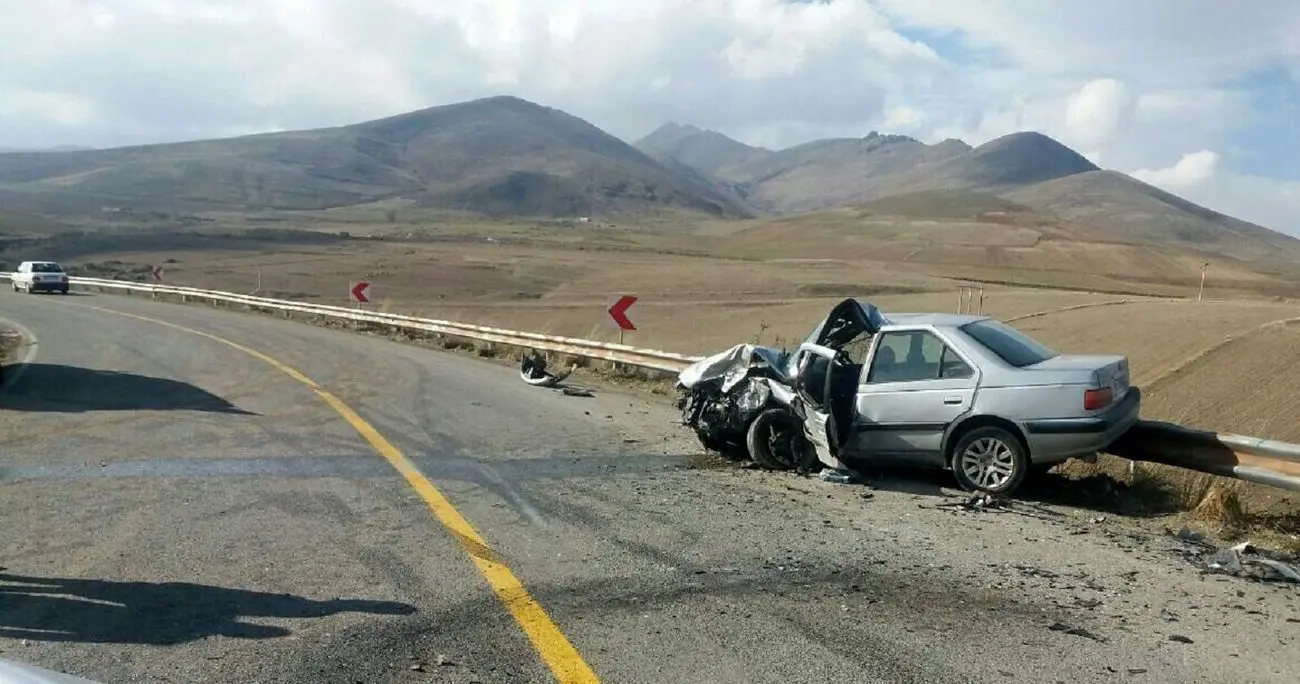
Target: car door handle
(952,401)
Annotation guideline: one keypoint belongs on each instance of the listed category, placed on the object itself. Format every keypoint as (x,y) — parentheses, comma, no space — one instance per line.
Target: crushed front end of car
(738,402)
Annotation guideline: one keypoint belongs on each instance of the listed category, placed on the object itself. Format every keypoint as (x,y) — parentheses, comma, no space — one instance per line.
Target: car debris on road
(1244,560)
(532,370)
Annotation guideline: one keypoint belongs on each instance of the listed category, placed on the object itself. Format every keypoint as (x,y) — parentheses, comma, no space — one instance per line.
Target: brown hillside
(1121,207)
(499,154)
(1045,183)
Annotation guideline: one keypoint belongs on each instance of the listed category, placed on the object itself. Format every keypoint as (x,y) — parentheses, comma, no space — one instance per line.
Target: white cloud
(1199,177)
(1133,85)
(1159,43)
(63,109)
(1099,111)
(1190,171)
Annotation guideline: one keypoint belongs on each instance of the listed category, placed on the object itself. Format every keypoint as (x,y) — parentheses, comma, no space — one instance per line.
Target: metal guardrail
(1263,461)
(608,351)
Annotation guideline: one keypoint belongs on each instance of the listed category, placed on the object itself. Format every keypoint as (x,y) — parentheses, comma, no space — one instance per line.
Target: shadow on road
(161,614)
(57,388)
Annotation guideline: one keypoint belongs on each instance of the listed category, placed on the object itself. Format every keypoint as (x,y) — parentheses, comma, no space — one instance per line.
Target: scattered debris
(532,369)
(1074,631)
(1031,571)
(837,476)
(444,661)
(980,501)
(1181,639)
(1244,560)
(1247,560)
(575,392)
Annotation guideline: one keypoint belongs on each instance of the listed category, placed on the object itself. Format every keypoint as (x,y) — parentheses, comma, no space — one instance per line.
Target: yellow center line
(555,649)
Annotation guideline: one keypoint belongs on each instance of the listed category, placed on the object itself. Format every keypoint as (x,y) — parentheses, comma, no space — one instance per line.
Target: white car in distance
(40,276)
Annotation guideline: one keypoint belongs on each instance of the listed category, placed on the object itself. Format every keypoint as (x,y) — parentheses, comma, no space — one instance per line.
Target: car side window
(907,356)
(951,365)
(858,347)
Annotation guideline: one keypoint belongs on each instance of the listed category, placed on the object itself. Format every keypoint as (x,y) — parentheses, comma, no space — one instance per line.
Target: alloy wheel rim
(989,463)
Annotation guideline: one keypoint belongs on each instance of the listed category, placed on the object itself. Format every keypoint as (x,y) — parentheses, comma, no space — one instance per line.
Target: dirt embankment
(11,341)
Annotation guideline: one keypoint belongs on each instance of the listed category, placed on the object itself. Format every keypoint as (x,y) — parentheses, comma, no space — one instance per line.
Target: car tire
(767,430)
(982,456)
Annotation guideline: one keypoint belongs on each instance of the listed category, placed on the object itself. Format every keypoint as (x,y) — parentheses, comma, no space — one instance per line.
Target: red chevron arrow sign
(618,312)
(358,292)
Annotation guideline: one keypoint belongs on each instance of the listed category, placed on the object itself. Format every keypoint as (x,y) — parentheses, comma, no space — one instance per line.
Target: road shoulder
(17,348)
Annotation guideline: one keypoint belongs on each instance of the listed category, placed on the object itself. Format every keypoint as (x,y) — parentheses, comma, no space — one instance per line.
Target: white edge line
(15,371)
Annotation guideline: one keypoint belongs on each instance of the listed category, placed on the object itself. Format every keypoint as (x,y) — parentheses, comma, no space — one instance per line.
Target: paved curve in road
(175,509)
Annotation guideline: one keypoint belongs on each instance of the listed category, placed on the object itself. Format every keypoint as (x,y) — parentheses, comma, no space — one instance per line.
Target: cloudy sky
(1200,97)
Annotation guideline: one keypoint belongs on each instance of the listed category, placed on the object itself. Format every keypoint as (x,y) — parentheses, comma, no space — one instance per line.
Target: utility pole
(1201,292)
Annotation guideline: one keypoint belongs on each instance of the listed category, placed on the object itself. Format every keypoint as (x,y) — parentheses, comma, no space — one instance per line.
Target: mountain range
(507,156)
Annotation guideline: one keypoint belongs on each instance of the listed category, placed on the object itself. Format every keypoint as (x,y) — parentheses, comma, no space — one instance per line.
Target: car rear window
(46,267)
(1010,345)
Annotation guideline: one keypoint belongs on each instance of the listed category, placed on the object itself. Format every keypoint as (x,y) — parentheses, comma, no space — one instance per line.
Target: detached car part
(532,370)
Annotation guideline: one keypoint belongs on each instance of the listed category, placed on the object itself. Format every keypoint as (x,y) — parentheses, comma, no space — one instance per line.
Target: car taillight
(64,279)
(1094,399)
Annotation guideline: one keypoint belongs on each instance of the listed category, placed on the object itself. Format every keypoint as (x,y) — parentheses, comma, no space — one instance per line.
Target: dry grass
(10,341)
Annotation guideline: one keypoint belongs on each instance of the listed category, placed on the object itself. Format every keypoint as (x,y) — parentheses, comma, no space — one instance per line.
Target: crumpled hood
(733,363)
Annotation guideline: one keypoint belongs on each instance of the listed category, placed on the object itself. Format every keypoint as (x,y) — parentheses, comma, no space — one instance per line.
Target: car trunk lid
(1109,373)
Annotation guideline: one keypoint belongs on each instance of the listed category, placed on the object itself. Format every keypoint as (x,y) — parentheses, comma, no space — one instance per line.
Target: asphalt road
(176,509)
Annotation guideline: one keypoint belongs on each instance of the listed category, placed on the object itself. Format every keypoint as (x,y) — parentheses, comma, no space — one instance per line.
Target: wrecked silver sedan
(960,392)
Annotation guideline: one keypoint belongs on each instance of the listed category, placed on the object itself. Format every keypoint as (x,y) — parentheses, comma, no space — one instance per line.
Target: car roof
(939,320)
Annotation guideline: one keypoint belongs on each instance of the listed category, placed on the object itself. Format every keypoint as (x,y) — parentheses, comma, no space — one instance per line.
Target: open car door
(816,368)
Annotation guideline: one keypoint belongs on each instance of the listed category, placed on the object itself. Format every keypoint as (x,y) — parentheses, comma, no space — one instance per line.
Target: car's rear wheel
(989,459)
